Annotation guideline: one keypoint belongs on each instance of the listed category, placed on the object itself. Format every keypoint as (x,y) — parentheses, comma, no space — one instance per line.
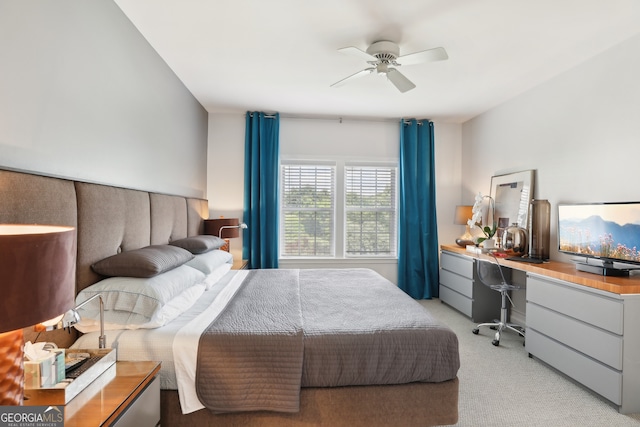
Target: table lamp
(462,215)
(37,281)
(225,228)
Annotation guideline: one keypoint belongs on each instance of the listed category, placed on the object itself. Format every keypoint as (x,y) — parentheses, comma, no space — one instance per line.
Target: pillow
(216,275)
(144,262)
(134,302)
(199,244)
(118,320)
(209,261)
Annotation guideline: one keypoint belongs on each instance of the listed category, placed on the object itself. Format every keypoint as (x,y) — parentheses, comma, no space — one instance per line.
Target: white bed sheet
(156,344)
(187,340)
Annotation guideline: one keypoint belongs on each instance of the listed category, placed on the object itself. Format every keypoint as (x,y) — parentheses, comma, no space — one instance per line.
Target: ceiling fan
(383,56)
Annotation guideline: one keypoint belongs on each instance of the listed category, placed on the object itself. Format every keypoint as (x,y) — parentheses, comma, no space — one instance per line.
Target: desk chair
(490,274)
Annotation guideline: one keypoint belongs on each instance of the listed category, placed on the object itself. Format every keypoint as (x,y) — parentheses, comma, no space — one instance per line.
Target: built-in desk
(564,271)
(584,325)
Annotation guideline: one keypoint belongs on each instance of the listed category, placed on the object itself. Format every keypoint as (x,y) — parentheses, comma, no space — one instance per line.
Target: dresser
(590,335)
(585,326)
(460,288)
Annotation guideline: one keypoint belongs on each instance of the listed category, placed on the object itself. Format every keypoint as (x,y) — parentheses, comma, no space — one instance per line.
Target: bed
(328,318)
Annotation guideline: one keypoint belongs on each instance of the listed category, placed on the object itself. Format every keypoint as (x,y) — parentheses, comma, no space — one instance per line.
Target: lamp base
(463,242)
(11,368)
(225,247)
(465,239)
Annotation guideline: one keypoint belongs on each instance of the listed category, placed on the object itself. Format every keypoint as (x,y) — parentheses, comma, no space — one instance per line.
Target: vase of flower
(486,222)
(489,243)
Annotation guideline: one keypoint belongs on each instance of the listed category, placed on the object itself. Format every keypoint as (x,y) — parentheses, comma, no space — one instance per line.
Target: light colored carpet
(503,386)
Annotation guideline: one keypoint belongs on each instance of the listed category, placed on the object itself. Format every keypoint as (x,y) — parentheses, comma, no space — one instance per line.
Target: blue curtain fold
(260,239)
(418,263)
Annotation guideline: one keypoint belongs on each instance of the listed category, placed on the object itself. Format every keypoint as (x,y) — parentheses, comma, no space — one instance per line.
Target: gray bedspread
(250,357)
(287,329)
(361,329)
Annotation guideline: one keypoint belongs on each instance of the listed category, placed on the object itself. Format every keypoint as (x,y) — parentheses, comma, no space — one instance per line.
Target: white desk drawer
(594,342)
(456,300)
(459,284)
(603,380)
(457,263)
(589,307)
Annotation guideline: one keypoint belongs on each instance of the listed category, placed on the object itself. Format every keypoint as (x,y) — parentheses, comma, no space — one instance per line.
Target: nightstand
(126,394)
(240,264)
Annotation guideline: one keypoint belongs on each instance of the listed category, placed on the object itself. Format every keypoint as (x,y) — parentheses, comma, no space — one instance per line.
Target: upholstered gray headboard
(109,220)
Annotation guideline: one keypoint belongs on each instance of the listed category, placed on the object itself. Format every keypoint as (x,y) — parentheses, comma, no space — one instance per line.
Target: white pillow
(132,302)
(216,275)
(208,262)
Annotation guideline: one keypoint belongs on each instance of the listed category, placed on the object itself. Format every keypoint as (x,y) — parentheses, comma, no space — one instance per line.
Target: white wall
(84,96)
(448,155)
(580,131)
(347,139)
(225,177)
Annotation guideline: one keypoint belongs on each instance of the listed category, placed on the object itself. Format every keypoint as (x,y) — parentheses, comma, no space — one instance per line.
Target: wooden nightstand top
(240,264)
(109,395)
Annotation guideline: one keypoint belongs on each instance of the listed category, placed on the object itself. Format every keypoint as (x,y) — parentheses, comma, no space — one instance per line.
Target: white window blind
(370,211)
(308,210)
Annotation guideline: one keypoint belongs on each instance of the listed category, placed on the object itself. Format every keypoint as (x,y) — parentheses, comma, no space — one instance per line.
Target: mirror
(512,194)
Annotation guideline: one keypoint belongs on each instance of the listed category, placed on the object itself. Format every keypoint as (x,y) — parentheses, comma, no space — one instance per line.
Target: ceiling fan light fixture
(383,53)
(382,69)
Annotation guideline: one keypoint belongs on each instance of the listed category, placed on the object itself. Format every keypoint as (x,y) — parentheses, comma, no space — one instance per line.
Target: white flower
(476,219)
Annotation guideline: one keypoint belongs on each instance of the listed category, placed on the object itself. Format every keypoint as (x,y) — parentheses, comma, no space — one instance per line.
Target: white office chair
(490,274)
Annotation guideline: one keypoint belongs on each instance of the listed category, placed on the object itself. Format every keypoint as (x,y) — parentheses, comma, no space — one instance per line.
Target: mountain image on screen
(595,237)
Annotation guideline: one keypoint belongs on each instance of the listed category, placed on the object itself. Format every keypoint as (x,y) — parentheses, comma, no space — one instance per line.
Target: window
(370,211)
(307,207)
(336,210)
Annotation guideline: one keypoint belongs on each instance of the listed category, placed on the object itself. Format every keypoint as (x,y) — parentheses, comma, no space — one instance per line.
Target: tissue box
(58,365)
(41,373)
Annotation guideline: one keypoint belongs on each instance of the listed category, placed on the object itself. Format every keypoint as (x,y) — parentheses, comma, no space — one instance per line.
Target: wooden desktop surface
(564,271)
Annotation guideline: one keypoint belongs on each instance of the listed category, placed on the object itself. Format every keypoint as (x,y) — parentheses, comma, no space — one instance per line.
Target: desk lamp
(225,228)
(37,281)
(71,317)
(462,215)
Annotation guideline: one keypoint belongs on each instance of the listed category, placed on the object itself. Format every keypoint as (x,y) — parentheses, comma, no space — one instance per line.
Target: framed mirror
(512,194)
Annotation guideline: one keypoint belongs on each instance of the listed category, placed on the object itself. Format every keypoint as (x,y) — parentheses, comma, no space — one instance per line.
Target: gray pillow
(199,244)
(145,262)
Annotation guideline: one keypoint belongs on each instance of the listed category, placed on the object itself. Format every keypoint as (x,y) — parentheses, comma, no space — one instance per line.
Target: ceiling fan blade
(354,76)
(354,51)
(435,54)
(402,83)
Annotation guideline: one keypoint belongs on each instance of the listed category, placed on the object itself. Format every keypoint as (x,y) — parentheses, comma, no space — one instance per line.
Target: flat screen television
(606,232)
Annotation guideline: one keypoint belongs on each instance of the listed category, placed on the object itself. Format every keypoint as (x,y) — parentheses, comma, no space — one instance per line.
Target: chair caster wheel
(475,331)
(495,342)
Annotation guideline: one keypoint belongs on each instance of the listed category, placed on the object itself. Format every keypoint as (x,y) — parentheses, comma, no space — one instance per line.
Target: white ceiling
(281,55)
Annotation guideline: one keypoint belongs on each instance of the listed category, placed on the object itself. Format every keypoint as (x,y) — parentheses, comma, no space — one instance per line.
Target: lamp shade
(231,230)
(37,273)
(463,214)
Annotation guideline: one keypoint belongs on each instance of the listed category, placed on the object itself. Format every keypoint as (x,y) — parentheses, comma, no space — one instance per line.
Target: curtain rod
(271,116)
(266,116)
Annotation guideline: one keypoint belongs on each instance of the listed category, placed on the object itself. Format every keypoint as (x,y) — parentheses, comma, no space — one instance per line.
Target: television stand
(606,269)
